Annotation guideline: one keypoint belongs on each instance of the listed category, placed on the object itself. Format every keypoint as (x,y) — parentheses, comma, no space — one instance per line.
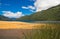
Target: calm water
(32,21)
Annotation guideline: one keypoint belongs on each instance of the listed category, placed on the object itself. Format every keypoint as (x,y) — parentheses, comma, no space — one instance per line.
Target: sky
(19,8)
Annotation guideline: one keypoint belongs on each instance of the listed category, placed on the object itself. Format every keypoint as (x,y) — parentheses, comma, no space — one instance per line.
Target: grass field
(17,25)
(22,30)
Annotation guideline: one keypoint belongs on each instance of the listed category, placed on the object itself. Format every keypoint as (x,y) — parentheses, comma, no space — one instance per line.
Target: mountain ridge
(51,14)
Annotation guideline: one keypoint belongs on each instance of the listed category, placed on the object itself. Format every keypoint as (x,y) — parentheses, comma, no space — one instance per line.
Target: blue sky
(18,8)
(16,5)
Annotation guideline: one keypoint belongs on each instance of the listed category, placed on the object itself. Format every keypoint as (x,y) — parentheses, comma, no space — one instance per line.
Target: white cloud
(11,14)
(24,7)
(31,8)
(45,4)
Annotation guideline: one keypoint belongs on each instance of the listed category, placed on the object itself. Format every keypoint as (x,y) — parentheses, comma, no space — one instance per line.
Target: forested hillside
(51,14)
(3,18)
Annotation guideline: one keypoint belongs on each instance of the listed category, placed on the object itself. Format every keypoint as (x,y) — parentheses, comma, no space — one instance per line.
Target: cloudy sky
(18,8)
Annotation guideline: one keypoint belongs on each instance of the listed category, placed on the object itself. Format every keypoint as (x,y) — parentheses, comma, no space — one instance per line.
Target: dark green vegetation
(3,18)
(51,14)
(49,31)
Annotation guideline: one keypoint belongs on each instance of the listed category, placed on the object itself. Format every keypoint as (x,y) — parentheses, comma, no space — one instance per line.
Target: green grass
(51,31)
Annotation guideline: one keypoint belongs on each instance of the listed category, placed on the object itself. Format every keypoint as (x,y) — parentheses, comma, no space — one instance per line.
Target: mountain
(3,18)
(51,14)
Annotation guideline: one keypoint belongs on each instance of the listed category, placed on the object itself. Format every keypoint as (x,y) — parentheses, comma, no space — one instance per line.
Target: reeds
(50,31)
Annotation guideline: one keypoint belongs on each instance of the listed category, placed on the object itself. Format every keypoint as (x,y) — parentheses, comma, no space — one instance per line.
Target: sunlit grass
(38,31)
(17,25)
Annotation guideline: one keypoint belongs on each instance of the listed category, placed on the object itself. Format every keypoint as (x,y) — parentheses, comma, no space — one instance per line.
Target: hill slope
(51,14)
(3,18)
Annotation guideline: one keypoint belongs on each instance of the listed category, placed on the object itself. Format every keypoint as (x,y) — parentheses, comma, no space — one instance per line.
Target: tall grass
(49,31)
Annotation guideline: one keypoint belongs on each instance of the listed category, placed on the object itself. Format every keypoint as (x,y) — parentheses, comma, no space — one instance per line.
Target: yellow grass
(17,25)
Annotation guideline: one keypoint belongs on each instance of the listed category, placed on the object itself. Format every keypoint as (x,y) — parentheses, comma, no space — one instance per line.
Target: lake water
(33,21)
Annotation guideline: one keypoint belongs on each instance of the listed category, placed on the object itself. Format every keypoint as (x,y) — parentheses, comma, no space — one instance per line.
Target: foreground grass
(50,31)
(46,31)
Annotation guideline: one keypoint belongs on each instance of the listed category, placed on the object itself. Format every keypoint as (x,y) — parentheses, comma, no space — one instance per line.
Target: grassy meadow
(22,30)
